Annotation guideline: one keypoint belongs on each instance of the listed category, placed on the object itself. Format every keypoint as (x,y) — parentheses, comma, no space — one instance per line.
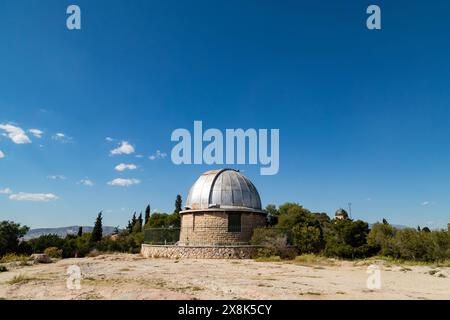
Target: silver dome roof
(225,189)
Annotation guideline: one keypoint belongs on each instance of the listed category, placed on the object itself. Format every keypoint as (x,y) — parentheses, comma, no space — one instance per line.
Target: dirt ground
(125,276)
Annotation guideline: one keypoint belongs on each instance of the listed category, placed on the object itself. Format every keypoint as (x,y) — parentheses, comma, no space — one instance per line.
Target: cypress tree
(80,231)
(178,203)
(140,219)
(97,232)
(147,215)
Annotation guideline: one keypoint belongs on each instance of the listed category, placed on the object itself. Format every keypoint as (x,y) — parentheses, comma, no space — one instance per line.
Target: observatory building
(222,209)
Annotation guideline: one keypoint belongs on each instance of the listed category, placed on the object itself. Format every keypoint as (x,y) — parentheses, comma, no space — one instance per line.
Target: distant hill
(63,231)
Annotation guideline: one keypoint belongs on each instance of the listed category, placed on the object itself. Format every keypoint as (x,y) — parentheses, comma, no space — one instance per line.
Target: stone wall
(211,227)
(198,252)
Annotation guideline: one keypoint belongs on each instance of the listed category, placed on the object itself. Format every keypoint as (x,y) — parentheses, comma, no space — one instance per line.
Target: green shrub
(54,252)
(3,268)
(273,242)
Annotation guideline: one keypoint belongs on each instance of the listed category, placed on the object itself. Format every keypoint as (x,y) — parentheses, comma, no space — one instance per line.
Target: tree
(426,229)
(272,214)
(10,233)
(385,221)
(129,227)
(141,222)
(137,227)
(147,215)
(80,232)
(133,220)
(381,236)
(178,204)
(97,232)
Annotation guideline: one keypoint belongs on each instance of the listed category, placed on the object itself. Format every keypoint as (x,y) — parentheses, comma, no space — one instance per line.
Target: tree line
(295,230)
(291,230)
(81,244)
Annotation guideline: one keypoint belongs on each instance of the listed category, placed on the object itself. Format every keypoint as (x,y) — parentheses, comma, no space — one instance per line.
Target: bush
(46,241)
(10,233)
(12,257)
(54,252)
(274,243)
(3,269)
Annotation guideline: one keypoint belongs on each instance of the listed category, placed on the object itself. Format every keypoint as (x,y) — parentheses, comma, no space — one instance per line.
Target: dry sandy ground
(123,276)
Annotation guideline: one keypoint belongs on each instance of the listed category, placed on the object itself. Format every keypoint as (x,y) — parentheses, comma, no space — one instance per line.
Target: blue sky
(364,116)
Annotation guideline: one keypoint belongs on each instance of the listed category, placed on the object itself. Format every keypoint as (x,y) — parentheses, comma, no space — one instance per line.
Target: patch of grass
(393,261)
(22,278)
(312,259)
(310,293)
(433,272)
(268,259)
(12,257)
(264,285)
(92,296)
(442,276)
(405,269)
(125,269)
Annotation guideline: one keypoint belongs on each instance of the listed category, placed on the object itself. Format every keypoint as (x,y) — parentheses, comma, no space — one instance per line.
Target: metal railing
(212,235)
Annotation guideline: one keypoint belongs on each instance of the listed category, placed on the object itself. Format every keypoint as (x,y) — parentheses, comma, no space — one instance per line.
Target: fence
(213,235)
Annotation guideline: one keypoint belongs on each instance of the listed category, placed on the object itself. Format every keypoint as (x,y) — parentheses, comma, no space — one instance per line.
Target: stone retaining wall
(197,252)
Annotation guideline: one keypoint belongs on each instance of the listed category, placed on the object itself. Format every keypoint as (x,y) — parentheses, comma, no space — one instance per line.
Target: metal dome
(224,189)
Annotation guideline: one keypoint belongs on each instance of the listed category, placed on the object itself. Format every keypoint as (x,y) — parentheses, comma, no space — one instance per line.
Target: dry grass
(312,259)
(12,257)
(22,278)
(269,259)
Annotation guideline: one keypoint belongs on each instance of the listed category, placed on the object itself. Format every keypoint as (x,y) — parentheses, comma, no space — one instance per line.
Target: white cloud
(2,155)
(56,177)
(109,139)
(158,155)
(5,191)
(86,182)
(428,203)
(123,148)
(123,167)
(36,132)
(37,197)
(16,134)
(123,182)
(61,137)
(139,156)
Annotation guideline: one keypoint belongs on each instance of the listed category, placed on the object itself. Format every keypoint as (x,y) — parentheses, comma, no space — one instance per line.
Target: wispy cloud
(2,155)
(109,139)
(16,134)
(123,148)
(123,182)
(158,155)
(62,137)
(5,191)
(36,132)
(35,197)
(428,203)
(86,182)
(123,167)
(56,177)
